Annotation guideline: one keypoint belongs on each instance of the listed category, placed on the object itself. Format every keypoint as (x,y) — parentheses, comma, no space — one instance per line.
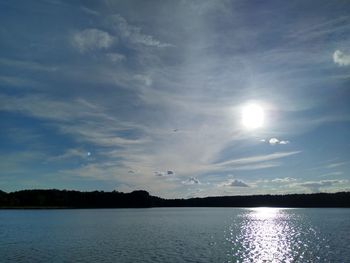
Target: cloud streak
(133,33)
(92,39)
(258,158)
(316,186)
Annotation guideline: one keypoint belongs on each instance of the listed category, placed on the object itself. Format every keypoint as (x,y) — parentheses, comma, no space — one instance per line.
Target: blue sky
(125,95)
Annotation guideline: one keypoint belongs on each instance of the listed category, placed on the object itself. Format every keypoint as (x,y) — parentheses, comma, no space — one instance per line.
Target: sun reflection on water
(264,236)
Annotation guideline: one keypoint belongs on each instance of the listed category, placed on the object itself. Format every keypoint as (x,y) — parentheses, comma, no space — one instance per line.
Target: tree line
(53,198)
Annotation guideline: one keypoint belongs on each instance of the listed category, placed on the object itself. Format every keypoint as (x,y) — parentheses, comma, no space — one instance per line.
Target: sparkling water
(175,235)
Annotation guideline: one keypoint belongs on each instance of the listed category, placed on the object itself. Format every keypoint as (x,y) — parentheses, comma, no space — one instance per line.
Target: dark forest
(142,199)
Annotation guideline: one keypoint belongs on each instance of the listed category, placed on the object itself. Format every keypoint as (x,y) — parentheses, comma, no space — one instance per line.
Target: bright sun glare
(253,116)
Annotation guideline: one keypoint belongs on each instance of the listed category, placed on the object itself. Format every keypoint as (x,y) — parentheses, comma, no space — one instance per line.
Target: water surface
(175,235)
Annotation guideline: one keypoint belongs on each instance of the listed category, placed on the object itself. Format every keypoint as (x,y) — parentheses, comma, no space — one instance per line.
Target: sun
(253,116)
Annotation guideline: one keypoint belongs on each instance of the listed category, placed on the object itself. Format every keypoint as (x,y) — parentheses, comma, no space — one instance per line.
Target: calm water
(175,235)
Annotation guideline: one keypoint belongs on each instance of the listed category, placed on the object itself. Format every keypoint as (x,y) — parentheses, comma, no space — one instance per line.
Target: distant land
(142,199)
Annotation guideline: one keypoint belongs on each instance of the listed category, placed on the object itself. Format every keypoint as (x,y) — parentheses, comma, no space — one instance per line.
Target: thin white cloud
(92,39)
(97,127)
(72,153)
(89,11)
(256,166)
(335,165)
(332,174)
(29,65)
(283,180)
(18,81)
(341,58)
(315,186)
(133,33)
(115,57)
(258,158)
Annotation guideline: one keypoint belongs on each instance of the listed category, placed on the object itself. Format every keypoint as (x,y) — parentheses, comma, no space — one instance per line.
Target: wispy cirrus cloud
(335,165)
(133,33)
(258,158)
(27,65)
(149,90)
(316,186)
(92,39)
(71,153)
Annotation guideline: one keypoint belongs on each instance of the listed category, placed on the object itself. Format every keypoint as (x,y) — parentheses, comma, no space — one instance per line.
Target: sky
(126,95)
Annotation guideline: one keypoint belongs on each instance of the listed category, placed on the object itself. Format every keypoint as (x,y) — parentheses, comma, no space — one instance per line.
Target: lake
(176,235)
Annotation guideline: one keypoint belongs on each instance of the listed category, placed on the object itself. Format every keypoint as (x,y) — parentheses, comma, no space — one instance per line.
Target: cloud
(274,141)
(18,81)
(283,180)
(238,183)
(166,173)
(115,57)
(191,180)
(335,165)
(159,173)
(233,183)
(80,118)
(257,166)
(340,58)
(170,172)
(332,174)
(72,153)
(258,158)
(89,11)
(29,65)
(134,34)
(316,186)
(143,79)
(92,39)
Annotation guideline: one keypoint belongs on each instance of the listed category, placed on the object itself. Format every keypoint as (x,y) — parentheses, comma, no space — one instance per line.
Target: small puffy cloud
(233,183)
(170,172)
(274,141)
(92,39)
(159,173)
(238,183)
(340,58)
(284,142)
(191,180)
(167,173)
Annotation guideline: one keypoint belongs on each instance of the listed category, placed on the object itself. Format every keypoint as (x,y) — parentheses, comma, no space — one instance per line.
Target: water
(175,235)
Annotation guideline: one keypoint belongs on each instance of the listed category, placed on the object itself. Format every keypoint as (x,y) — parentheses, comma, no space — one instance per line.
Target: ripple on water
(274,235)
